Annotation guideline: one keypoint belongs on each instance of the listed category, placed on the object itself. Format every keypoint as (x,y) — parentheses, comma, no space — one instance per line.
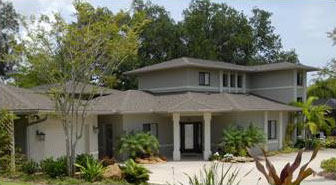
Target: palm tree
(315,116)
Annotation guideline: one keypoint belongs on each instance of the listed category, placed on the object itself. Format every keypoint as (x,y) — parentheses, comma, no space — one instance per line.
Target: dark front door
(105,140)
(191,137)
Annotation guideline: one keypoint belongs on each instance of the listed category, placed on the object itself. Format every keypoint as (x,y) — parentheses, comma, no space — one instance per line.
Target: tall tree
(75,55)
(8,26)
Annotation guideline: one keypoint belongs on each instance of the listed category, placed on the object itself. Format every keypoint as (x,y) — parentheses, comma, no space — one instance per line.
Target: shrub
(300,143)
(54,168)
(236,140)
(309,143)
(329,165)
(81,159)
(330,142)
(135,173)
(92,171)
(138,144)
(107,161)
(30,167)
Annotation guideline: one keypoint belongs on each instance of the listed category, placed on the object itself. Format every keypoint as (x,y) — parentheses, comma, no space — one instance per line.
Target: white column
(294,85)
(229,81)
(176,127)
(221,81)
(280,129)
(266,129)
(244,83)
(236,82)
(207,135)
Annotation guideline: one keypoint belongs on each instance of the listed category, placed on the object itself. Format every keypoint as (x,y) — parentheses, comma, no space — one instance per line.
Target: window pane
(272,129)
(201,78)
(300,78)
(207,79)
(233,80)
(146,127)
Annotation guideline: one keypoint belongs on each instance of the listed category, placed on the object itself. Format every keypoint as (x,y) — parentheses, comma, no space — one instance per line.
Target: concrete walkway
(174,172)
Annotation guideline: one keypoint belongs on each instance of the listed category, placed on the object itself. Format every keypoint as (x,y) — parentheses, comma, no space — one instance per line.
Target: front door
(105,140)
(191,137)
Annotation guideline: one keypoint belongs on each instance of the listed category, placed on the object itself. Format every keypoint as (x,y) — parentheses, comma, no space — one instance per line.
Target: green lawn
(12,183)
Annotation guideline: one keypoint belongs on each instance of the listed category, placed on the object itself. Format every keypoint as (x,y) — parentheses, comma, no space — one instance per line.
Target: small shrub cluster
(138,144)
(329,165)
(235,140)
(54,168)
(135,173)
(92,170)
(81,160)
(30,167)
(330,142)
(308,144)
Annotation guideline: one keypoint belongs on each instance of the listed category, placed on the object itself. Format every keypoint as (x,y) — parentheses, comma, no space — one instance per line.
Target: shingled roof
(19,99)
(135,101)
(193,62)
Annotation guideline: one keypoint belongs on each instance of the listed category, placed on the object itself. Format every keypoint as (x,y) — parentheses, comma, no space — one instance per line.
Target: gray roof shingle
(134,101)
(193,62)
(19,99)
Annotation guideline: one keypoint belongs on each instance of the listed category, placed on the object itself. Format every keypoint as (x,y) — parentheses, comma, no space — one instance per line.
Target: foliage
(81,159)
(30,167)
(308,143)
(300,143)
(324,89)
(315,116)
(135,173)
(330,142)
(215,176)
(107,161)
(9,26)
(235,140)
(285,150)
(287,173)
(54,168)
(329,165)
(138,144)
(92,171)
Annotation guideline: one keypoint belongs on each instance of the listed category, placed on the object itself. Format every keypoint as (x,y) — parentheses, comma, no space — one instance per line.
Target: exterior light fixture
(95,129)
(40,135)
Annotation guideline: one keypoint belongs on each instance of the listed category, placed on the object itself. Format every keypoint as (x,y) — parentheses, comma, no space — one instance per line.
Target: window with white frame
(151,128)
(272,129)
(204,78)
(240,81)
(300,79)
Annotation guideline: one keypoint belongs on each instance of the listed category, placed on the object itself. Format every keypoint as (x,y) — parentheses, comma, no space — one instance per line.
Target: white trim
(221,81)
(266,128)
(270,88)
(272,141)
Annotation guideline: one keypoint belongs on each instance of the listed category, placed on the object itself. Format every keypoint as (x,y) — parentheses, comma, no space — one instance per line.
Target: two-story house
(186,103)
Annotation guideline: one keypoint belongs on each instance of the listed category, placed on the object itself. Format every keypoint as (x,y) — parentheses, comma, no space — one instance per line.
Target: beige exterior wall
(54,143)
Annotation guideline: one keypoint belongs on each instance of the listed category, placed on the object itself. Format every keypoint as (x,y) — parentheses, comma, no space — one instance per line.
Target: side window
(225,80)
(240,81)
(232,80)
(272,129)
(151,128)
(299,78)
(204,78)
(299,99)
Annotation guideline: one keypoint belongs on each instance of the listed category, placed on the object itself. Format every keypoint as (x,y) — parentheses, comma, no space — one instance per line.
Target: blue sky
(302,24)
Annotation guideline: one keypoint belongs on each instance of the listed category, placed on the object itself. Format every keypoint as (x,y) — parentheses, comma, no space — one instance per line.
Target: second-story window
(232,80)
(225,80)
(240,81)
(204,78)
(299,78)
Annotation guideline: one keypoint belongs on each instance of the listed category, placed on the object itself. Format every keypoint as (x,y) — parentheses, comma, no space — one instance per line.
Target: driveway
(174,172)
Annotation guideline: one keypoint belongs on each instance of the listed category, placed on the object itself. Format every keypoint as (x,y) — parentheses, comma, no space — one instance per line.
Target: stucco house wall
(54,143)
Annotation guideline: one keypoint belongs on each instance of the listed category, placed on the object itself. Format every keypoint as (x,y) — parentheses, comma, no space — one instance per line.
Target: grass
(285,150)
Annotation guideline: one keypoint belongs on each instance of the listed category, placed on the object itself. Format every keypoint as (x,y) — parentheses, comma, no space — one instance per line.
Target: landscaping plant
(235,140)
(329,165)
(213,176)
(81,159)
(92,170)
(30,167)
(135,173)
(54,168)
(138,144)
(287,173)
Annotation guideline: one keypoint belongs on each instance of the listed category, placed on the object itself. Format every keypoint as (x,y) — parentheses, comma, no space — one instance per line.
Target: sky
(302,24)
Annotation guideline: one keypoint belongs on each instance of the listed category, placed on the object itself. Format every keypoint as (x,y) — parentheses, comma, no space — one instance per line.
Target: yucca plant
(286,175)
(213,176)
(92,171)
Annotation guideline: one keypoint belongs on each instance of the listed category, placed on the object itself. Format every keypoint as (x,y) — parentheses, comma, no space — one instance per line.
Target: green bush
(330,142)
(235,140)
(54,168)
(300,143)
(30,167)
(92,170)
(138,144)
(135,173)
(329,165)
(81,159)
